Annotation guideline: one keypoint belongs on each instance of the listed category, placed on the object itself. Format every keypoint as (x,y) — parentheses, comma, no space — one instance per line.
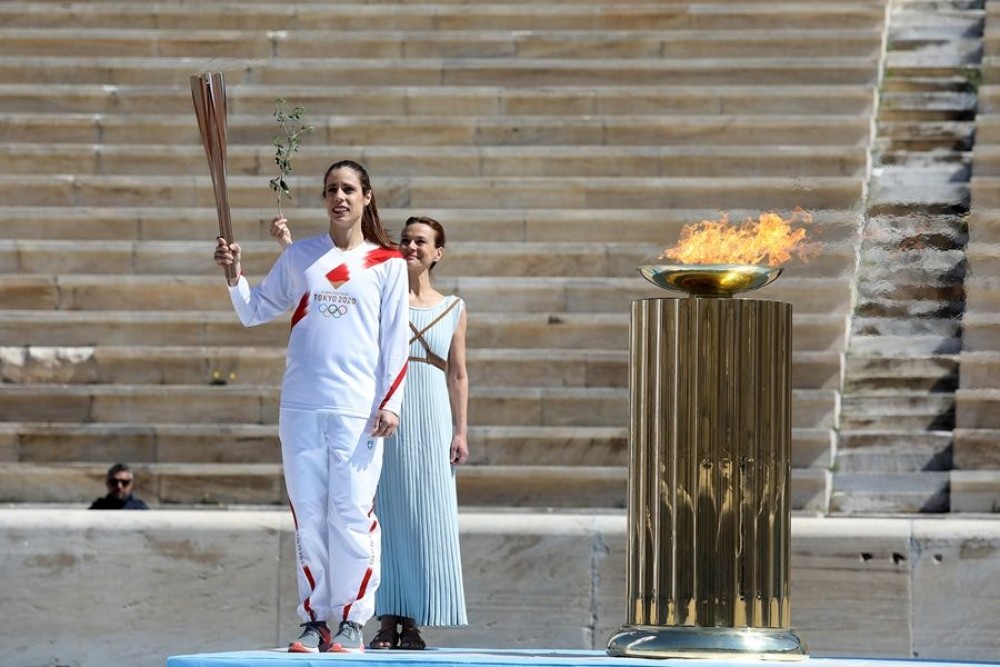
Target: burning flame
(770,240)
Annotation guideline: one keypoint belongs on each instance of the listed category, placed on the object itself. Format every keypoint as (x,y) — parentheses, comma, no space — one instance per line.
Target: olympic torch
(208,92)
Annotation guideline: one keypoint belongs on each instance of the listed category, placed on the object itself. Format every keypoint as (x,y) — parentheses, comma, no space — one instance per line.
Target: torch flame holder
(708,500)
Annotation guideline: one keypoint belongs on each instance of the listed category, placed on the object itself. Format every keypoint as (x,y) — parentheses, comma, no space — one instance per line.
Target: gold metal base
(651,641)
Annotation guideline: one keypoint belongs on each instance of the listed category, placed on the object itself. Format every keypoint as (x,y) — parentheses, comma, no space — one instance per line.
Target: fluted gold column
(709,474)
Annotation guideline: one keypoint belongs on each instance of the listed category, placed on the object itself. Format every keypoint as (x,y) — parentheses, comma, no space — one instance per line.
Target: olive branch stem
(286,143)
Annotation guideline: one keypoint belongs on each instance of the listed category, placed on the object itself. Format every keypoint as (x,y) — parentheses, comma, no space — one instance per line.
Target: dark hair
(117,468)
(371,224)
(433,224)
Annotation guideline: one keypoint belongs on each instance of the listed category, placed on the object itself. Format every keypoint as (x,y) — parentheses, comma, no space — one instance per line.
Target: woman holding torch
(340,396)
(417,499)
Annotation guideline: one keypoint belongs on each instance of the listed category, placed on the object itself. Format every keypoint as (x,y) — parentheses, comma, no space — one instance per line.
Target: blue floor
(485,657)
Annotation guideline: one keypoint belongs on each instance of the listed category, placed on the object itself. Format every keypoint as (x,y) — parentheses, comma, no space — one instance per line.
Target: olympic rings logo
(336,311)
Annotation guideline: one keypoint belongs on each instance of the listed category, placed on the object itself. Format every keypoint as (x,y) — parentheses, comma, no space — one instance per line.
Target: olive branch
(286,144)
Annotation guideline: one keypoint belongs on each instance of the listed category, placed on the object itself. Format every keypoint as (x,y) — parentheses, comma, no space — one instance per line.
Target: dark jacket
(109,502)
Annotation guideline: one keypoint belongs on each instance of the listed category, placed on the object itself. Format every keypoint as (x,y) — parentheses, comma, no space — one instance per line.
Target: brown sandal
(410,639)
(384,639)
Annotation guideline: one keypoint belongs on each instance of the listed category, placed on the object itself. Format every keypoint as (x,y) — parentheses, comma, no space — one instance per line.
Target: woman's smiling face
(418,245)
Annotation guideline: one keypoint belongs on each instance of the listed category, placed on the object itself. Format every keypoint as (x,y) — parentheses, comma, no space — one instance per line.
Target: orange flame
(769,240)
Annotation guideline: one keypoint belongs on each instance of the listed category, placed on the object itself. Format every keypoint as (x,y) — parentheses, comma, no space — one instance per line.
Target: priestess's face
(418,245)
(345,200)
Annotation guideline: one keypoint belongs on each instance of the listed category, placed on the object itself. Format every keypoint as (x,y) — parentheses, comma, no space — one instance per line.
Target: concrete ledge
(134,587)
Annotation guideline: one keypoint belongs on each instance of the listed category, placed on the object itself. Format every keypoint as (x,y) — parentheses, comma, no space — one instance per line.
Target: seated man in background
(120,495)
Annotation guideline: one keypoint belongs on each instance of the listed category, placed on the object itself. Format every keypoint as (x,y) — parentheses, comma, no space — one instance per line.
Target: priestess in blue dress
(416,500)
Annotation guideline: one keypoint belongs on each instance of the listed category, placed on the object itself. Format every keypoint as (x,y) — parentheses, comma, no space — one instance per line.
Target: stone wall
(83,588)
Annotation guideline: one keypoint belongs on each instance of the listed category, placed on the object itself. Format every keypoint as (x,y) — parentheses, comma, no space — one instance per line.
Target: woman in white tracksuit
(340,396)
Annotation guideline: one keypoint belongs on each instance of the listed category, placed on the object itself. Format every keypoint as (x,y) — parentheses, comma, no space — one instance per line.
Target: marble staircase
(896,445)
(559,143)
(976,478)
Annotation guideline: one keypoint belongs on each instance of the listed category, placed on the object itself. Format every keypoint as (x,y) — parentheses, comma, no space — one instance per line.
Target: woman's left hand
(386,423)
(280,231)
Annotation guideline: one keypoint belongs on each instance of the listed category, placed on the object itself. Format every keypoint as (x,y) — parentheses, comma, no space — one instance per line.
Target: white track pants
(332,468)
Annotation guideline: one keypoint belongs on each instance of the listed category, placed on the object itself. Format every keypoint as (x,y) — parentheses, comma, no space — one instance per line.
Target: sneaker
(348,639)
(314,639)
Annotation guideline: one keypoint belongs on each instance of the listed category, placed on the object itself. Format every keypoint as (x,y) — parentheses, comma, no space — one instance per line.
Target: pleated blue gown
(416,500)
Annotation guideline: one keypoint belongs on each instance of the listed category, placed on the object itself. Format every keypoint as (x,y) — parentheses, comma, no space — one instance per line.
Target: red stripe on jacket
(395,385)
(301,310)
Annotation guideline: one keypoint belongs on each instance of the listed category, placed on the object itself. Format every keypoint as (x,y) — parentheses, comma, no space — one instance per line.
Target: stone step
(933,197)
(539,486)
(457,161)
(915,325)
(422,44)
(989,100)
(977,448)
(978,370)
(422,193)
(928,106)
(499,406)
(160,484)
(905,346)
(928,174)
(880,375)
(900,317)
(990,76)
(927,18)
(265,365)
(659,227)
(916,261)
(861,71)
(464,258)
(883,493)
(719,129)
(984,224)
(975,491)
(445,17)
(950,61)
(940,294)
(982,189)
(911,412)
(982,293)
(262,484)
(892,451)
(905,158)
(941,136)
(926,82)
(986,158)
(912,42)
(977,408)
(983,258)
(33,442)
(813,449)
(981,331)
(93,328)
(441,100)
(824,298)
(916,231)
(987,128)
